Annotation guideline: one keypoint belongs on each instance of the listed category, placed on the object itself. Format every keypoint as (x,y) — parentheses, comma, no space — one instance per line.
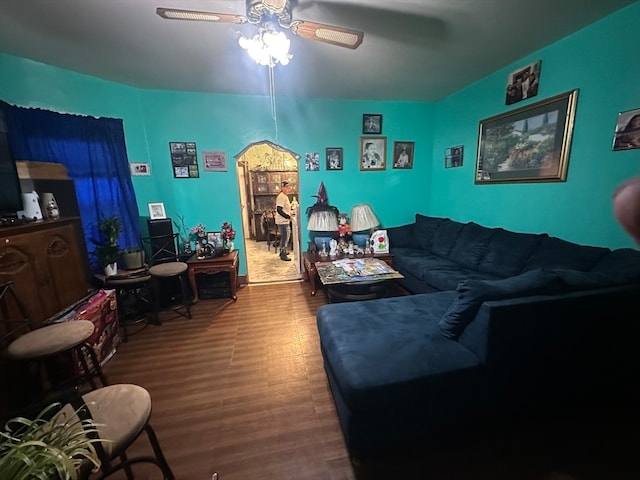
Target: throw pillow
(471,294)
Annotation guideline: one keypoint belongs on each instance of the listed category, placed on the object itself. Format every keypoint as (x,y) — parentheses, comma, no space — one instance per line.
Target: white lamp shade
(363,218)
(323,221)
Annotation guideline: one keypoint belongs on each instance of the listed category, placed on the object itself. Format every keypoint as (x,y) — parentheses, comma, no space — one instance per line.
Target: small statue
(333,245)
(344,230)
(312,248)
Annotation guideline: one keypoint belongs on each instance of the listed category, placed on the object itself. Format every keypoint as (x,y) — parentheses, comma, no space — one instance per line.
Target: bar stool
(167,267)
(134,299)
(46,345)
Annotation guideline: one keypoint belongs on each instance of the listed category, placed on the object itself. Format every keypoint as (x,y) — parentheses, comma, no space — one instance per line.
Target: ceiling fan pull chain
(272,96)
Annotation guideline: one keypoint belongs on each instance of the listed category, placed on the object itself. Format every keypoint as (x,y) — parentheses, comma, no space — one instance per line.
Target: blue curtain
(94,152)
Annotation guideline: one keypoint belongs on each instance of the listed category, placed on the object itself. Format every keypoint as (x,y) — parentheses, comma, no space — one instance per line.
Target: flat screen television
(10,193)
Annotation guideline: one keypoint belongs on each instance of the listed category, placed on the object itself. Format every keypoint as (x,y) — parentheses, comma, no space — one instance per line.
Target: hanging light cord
(272,97)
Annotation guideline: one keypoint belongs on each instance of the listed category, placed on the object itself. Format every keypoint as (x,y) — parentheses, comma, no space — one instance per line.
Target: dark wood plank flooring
(240,389)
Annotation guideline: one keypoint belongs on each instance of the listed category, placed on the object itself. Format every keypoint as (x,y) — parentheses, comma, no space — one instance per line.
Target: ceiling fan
(272,13)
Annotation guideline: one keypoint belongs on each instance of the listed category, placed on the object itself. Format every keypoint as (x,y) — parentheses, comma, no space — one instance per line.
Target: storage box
(101,309)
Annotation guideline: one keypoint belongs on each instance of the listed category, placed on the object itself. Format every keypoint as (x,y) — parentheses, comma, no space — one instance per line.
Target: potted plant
(133,258)
(108,250)
(47,446)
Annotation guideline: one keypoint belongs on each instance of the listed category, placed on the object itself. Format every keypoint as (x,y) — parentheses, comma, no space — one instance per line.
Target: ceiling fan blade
(176,14)
(342,37)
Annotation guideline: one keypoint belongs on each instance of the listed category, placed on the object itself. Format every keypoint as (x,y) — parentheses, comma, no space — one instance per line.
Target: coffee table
(355,279)
(309,261)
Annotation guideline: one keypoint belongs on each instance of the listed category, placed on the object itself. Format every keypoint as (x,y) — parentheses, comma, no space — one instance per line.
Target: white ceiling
(416,50)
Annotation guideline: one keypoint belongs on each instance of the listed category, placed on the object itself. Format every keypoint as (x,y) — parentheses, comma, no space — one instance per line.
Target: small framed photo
(214,238)
(334,158)
(140,169)
(523,83)
(453,156)
(214,161)
(403,154)
(312,161)
(156,211)
(373,153)
(371,124)
(627,135)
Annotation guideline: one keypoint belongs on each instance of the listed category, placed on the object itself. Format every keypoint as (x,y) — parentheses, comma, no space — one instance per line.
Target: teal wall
(601,61)
(152,119)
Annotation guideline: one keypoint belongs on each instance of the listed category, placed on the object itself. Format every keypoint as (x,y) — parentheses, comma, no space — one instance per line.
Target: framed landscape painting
(530,144)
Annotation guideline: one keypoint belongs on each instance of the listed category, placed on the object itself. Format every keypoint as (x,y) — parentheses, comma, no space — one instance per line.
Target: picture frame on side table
(156,211)
(529,144)
(373,153)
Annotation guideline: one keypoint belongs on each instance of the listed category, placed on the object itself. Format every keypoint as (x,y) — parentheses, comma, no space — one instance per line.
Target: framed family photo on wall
(371,124)
(373,153)
(530,144)
(627,134)
(156,211)
(334,158)
(523,83)
(214,161)
(403,154)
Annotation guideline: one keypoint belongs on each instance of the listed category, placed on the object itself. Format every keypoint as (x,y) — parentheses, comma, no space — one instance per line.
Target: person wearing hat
(283,219)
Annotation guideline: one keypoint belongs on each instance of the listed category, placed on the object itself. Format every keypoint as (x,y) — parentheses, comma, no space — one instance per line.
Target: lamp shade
(323,221)
(363,218)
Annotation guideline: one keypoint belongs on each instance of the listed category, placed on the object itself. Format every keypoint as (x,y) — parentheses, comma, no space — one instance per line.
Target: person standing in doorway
(283,219)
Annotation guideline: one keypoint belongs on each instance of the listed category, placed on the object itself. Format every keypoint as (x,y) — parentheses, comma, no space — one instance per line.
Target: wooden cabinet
(265,187)
(47,262)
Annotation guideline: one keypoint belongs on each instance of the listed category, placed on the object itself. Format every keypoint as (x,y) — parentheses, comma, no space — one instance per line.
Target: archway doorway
(261,168)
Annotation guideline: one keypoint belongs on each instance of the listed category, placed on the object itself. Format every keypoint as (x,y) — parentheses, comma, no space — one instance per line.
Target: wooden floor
(240,390)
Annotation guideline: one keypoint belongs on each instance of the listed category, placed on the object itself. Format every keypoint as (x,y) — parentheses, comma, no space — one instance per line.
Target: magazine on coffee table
(350,270)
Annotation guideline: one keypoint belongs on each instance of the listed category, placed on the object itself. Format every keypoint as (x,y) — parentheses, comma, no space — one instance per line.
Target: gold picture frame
(529,144)
(373,153)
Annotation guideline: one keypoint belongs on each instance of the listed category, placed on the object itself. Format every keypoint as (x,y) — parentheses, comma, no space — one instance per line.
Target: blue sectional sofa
(513,325)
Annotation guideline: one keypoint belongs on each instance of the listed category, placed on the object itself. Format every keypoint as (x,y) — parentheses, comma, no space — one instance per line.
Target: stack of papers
(363,267)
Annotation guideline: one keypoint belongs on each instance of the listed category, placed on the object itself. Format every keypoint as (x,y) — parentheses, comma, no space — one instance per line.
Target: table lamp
(363,221)
(323,221)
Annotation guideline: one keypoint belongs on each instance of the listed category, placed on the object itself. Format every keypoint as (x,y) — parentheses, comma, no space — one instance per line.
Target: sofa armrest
(580,338)
(402,236)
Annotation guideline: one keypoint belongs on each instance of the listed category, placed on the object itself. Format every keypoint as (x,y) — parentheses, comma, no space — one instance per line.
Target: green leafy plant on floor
(46,447)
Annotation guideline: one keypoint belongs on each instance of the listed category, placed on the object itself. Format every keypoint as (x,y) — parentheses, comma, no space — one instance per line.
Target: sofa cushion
(575,280)
(424,230)
(553,252)
(402,236)
(390,351)
(414,261)
(471,244)
(623,262)
(445,236)
(445,275)
(507,252)
(471,294)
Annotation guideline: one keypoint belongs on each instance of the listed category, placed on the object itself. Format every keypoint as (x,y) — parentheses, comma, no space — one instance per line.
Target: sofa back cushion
(445,237)
(424,230)
(623,262)
(471,294)
(507,252)
(470,245)
(553,252)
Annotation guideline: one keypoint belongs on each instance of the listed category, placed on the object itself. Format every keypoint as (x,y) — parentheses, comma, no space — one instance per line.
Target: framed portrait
(214,161)
(627,134)
(523,83)
(530,144)
(156,211)
(312,162)
(334,158)
(184,159)
(140,169)
(214,238)
(403,154)
(453,156)
(371,124)
(373,153)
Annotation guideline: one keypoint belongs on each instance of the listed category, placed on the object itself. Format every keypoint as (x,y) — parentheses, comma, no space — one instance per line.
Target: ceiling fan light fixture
(268,47)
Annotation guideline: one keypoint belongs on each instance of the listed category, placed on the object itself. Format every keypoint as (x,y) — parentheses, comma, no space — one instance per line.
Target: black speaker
(161,240)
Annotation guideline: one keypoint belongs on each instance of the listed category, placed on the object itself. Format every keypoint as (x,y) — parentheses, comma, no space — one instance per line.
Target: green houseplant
(49,446)
(108,251)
